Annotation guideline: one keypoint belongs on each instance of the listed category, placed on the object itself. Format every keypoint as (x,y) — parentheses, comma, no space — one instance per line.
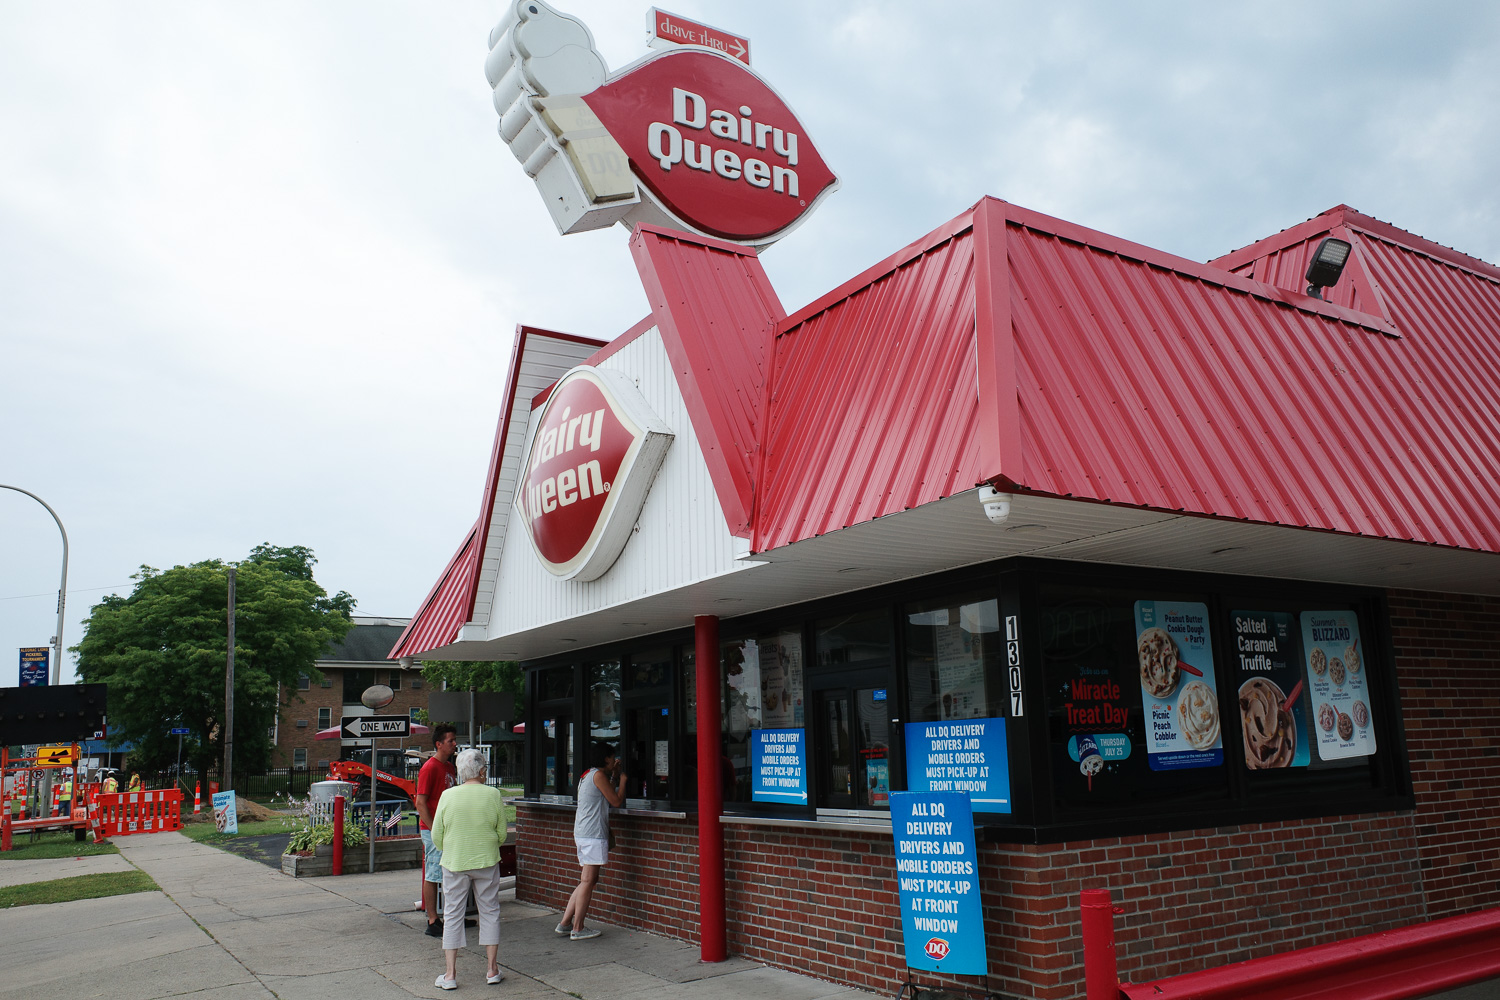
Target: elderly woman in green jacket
(469,827)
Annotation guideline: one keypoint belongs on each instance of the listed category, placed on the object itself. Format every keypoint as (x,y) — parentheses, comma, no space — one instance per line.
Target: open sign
(936,948)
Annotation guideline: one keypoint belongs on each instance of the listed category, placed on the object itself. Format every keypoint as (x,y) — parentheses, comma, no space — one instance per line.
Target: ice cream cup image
(1269,729)
(1159,662)
(1090,760)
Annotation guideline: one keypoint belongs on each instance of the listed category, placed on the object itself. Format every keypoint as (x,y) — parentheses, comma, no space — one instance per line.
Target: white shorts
(592,851)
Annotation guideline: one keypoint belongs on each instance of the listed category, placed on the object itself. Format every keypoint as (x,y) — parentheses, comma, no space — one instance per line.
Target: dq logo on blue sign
(942,921)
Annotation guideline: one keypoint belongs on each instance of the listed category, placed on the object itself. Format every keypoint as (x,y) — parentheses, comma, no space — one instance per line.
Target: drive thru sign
(377,725)
(665,27)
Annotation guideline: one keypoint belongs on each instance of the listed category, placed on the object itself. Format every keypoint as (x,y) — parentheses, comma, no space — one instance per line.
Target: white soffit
(953,533)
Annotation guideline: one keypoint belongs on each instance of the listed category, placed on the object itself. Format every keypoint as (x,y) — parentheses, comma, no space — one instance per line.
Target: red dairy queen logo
(595,451)
(689,138)
(715,145)
(936,948)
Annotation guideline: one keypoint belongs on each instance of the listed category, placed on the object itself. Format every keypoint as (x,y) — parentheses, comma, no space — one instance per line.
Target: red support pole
(712,946)
(338,835)
(4,800)
(1100,975)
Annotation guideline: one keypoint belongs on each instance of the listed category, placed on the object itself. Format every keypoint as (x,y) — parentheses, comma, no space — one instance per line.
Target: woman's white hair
(470,765)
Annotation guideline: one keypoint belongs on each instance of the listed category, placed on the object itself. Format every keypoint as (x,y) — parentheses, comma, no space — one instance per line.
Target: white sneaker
(563,929)
(492,980)
(585,934)
(444,983)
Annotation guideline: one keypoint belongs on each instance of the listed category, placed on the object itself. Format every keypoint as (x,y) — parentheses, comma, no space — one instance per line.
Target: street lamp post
(62,588)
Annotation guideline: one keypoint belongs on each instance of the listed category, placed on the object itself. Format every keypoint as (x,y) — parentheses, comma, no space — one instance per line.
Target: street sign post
(372,726)
(179,731)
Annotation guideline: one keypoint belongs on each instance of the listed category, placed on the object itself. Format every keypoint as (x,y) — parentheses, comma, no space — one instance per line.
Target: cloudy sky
(261,264)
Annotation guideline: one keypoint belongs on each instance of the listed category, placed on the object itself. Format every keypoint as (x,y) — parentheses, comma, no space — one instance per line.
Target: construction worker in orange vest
(111,784)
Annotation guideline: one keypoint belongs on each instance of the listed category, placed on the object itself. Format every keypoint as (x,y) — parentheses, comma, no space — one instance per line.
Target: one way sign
(377,725)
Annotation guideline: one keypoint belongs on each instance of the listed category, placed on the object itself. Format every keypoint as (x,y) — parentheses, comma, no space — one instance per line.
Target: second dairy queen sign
(591,462)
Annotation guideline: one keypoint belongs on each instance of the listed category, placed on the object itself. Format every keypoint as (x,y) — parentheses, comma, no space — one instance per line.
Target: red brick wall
(826,904)
(1448,663)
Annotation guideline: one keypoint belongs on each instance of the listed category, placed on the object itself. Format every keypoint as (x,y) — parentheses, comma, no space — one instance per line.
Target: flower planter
(396,853)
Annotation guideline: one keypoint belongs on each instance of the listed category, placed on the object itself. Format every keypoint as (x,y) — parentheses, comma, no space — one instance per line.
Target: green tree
(504,676)
(162,651)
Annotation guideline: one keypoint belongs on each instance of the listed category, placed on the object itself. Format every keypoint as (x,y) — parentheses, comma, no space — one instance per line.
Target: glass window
(326,681)
(355,682)
(647,750)
(764,688)
(415,713)
(953,649)
(325,718)
(604,702)
(859,639)
(555,756)
(299,758)
(303,682)
(395,680)
(1131,695)
(555,682)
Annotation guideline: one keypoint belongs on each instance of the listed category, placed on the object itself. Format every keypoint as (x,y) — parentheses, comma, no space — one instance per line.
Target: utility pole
(229,695)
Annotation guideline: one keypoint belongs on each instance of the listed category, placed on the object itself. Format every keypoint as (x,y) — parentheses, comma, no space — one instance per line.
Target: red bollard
(1100,975)
(338,835)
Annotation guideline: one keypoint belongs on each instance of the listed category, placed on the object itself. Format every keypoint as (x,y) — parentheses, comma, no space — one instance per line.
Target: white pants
(486,883)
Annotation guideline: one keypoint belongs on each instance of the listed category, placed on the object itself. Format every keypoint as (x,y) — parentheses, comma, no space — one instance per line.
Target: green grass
(204,833)
(53,844)
(60,890)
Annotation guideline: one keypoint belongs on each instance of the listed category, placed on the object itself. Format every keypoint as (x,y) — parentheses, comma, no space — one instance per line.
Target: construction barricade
(119,814)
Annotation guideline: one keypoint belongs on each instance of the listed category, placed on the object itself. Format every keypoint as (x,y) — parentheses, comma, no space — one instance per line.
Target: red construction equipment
(358,774)
(119,814)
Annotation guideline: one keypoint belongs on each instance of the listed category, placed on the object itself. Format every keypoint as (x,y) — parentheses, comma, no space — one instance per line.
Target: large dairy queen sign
(689,138)
(590,463)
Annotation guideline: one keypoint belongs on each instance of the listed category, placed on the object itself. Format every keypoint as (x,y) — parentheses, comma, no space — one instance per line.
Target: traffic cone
(197,798)
(56,797)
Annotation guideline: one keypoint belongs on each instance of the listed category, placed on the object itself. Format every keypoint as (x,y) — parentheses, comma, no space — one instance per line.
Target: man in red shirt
(437,775)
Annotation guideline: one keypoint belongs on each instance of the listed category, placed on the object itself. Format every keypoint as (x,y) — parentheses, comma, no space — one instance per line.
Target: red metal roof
(1109,371)
(716,311)
(446,606)
(873,401)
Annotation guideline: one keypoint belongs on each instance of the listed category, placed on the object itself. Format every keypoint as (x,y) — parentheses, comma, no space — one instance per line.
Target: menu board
(1337,686)
(780,683)
(960,668)
(1268,672)
(1181,703)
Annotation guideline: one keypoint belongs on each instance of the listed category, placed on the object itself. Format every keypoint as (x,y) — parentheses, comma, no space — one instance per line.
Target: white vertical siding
(681,536)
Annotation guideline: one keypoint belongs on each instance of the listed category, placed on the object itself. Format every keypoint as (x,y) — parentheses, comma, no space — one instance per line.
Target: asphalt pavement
(230,928)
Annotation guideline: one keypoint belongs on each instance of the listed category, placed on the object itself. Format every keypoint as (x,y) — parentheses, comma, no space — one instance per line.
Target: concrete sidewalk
(226,928)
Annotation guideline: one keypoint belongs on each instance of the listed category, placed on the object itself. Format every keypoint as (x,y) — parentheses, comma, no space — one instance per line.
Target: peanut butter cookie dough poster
(1265,648)
(1336,683)
(1177,685)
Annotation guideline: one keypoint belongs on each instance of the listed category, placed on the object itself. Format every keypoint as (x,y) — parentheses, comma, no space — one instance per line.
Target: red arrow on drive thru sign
(679,30)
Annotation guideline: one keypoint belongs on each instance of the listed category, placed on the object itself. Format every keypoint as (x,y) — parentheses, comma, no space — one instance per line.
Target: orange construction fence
(118,814)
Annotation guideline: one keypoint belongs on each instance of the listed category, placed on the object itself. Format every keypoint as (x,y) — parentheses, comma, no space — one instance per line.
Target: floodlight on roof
(1326,265)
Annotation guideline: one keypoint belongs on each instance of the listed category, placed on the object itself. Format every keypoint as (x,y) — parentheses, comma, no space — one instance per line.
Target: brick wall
(1448,663)
(826,904)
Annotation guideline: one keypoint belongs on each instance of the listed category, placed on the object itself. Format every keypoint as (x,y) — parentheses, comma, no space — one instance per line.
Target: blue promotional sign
(1179,696)
(937,865)
(967,755)
(778,765)
(36,662)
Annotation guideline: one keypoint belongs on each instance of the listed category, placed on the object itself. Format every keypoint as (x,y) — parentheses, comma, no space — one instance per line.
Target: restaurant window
(646,750)
(325,718)
(850,705)
(764,698)
(952,648)
(1132,699)
(1213,704)
(557,754)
